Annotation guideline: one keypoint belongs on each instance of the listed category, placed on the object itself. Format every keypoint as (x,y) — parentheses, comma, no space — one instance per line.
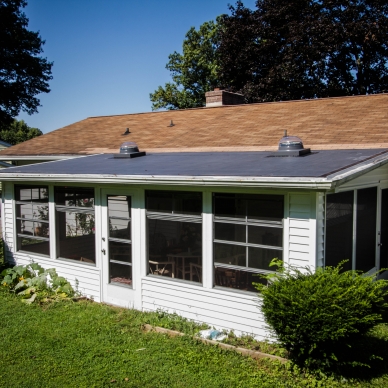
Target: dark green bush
(317,316)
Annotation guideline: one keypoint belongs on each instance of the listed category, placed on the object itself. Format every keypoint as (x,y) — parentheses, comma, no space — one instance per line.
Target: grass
(85,344)
(248,342)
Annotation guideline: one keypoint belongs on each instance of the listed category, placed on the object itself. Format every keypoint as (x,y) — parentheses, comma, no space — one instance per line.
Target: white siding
(87,276)
(220,308)
(301,229)
(8,233)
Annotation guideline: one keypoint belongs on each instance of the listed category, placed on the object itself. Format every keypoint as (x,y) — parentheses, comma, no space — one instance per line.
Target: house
(189,226)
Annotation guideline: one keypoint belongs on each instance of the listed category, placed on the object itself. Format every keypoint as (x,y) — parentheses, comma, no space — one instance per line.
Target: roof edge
(239,105)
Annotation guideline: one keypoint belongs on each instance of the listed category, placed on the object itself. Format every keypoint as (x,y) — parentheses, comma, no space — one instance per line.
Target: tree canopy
(286,50)
(23,73)
(17,132)
(193,72)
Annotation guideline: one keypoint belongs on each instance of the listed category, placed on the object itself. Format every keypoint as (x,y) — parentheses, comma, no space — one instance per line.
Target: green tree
(286,50)
(23,73)
(17,132)
(193,73)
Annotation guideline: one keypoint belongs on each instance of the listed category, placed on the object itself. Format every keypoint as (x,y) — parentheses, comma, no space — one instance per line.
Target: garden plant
(33,283)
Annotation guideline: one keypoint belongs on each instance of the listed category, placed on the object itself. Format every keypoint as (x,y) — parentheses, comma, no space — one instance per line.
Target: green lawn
(86,344)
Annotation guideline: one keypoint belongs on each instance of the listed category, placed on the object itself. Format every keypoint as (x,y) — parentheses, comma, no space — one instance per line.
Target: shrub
(317,315)
(33,283)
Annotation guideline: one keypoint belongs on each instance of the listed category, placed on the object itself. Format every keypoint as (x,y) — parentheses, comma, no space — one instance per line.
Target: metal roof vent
(129,149)
(291,146)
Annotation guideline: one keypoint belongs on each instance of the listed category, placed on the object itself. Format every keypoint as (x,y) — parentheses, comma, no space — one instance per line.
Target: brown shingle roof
(344,122)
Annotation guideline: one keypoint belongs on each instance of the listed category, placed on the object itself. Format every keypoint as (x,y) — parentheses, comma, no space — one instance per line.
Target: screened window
(74,208)
(32,219)
(351,219)
(248,234)
(174,233)
(120,244)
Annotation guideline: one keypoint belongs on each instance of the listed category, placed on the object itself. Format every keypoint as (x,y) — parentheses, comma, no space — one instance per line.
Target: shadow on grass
(368,354)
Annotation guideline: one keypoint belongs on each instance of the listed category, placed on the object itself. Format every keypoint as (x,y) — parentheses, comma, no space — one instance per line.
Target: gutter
(349,174)
(225,181)
(38,157)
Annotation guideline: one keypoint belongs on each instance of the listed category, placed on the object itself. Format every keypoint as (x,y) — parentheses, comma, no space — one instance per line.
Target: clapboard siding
(371,178)
(223,309)
(299,229)
(8,233)
(320,229)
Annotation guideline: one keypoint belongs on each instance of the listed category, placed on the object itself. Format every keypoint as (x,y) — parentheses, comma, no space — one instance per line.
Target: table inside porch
(184,259)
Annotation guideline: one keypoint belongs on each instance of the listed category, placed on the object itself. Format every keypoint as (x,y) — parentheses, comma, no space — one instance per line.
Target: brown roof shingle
(344,122)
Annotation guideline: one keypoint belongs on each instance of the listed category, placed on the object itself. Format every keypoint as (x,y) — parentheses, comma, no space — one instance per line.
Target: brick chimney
(219,97)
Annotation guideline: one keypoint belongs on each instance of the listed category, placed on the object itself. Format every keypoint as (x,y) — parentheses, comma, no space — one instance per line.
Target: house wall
(220,307)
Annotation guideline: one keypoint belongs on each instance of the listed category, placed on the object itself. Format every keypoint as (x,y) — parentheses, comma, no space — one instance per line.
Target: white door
(117,248)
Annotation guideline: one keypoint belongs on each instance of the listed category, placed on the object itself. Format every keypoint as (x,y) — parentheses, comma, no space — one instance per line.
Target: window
(174,222)
(351,215)
(339,229)
(120,252)
(74,208)
(32,219)
(248,234)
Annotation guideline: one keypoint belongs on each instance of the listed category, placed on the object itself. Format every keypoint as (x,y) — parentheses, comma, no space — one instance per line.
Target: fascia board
(39,157)
(356,171)
(267,182)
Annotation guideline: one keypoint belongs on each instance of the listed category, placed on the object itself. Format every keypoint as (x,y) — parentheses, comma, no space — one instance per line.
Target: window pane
(120,274)
(25,211)
(159,201)
(366,229)
(31,193)
(237,279)
(265,236)
(33,245)
(230,232)
(40,229)
(265,207)
(120,228)
(119,206)
(32,210)
(175,249)
(229,205)
(74,196)
(187,203)
(174,202)
(75,234)
(120,251)
(260,257)
(230,254)
(255,206)
(339,229)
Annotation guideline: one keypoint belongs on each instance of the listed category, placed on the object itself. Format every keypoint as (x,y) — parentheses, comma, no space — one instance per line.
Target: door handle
(379,244)
(103,251)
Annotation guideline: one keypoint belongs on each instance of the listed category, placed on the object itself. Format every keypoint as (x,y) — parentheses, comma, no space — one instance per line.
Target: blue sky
(109,54)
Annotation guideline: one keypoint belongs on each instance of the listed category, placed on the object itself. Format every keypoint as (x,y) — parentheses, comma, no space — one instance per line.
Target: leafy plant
(32,282)
(318,316)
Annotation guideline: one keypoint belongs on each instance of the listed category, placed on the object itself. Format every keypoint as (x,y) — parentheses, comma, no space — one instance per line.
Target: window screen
(248,234)
(32,219)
